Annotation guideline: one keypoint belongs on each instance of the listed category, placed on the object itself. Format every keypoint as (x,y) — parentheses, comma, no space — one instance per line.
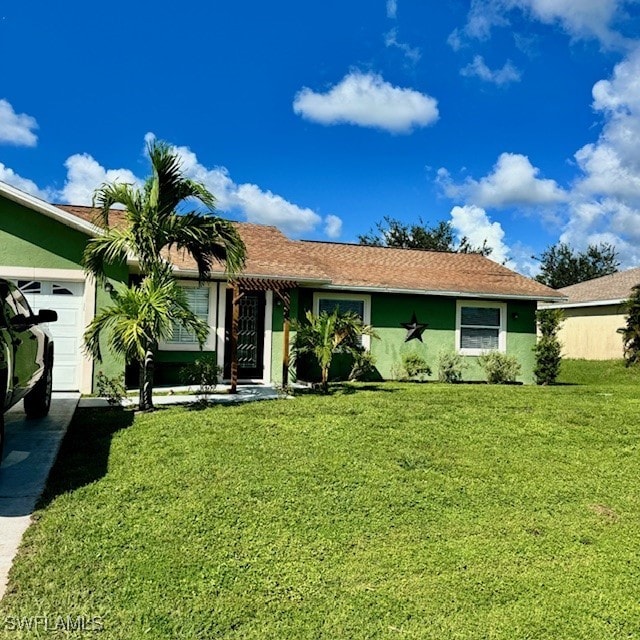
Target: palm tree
(325,334)
(155,224)
(139,317)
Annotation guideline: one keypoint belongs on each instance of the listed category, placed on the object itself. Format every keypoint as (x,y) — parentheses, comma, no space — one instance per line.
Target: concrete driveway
(31,447)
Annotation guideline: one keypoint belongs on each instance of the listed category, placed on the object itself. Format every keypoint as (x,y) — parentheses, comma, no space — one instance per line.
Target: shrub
(499,368)
(548,348)
(203,372)
(415,366)
(363,366)
(112,389)
(631,332)
(450,366)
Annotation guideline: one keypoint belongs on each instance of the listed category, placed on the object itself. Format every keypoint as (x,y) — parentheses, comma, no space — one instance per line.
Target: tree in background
(561,266)
(391,232)
(323,335)
(631,333)
(548,348)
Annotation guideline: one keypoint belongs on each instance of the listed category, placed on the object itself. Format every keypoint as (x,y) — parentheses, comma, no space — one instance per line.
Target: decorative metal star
(414,328)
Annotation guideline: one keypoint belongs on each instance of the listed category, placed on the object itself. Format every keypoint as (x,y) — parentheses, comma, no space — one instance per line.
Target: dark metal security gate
(244,349)
(250,335)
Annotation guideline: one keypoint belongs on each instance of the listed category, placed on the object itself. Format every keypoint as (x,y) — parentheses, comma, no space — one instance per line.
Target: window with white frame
(201,301)
(360,304)
(480,327)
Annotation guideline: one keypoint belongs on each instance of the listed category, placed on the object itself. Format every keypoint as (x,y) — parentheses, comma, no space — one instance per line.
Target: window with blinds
(198,299)
(480,328)
(358,303)
(343,305)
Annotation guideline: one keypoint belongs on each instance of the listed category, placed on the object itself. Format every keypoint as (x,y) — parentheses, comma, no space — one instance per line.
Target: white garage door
(66,298)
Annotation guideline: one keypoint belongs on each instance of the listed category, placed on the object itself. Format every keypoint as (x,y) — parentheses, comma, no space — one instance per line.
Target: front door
(250,335)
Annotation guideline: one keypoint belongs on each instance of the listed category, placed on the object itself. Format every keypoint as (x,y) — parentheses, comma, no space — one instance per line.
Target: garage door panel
(66,349)
(66,298)
(67,318)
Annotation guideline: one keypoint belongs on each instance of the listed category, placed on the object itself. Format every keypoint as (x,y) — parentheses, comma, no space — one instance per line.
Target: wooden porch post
(286,308)
(233,342)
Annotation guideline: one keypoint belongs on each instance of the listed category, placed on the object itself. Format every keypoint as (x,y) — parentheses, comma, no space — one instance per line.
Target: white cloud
(513,182)
(16,128)
(606,196)
(332,226)
(603,203)
(9,176)
(611,166)
(483,16)
(607,220)
(85,175)
(455,40)
(413,54)
(253,203)
(367,100)
(583,19)
(264,207)
(580,19)
(479,69)
(474,223)
(605,172)
(392,9)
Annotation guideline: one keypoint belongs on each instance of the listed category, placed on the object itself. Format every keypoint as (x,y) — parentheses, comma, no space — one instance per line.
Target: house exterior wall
(39,247)
(388,311)
(590,333)
(30,239)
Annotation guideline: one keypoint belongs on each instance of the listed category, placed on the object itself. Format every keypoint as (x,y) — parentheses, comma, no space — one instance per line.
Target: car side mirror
(46,315)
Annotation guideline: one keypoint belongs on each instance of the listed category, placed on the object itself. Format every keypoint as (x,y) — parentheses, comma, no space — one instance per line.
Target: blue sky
(518,120)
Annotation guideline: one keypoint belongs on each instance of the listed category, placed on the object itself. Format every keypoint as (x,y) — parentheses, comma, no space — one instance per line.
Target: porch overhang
(263,284)
(282,288)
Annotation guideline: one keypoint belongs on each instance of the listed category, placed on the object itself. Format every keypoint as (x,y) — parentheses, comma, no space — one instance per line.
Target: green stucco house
(469,303)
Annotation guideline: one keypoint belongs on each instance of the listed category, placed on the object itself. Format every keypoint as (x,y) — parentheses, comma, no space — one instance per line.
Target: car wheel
(38,400)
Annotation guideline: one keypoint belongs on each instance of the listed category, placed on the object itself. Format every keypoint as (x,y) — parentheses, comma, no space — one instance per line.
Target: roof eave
(301,280)
(449,294)
(589,303)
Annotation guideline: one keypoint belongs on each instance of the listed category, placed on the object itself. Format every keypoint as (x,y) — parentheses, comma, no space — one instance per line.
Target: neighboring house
(593,314)
(469,303)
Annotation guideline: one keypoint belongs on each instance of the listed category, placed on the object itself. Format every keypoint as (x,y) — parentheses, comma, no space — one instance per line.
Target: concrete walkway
(31,447)
(183,395)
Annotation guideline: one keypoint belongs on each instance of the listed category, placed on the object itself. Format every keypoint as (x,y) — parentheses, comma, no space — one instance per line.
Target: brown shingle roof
(614,287)
(351,265)
(271,254)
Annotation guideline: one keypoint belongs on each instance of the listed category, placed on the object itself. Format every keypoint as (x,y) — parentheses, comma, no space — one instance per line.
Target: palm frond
(207,239)
(110,248)
(116,193)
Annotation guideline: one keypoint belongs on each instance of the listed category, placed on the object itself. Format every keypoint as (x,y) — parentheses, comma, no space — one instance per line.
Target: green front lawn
(381,511)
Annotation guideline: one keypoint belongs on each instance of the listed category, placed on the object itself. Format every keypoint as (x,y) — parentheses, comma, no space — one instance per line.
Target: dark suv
(26,355)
